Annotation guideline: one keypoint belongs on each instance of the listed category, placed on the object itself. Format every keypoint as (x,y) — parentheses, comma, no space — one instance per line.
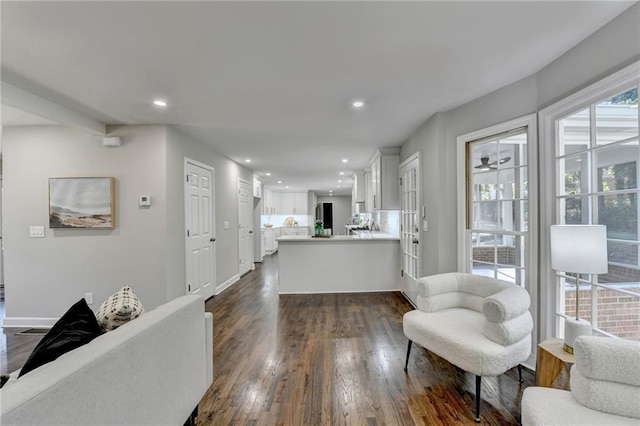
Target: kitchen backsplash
(388,221)
(278,219)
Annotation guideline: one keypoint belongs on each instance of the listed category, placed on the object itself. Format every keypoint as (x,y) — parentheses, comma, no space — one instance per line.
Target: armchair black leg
(520,373)
(406,364)
(478,383)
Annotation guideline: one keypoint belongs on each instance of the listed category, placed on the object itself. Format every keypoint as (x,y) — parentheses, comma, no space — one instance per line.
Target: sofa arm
(506,304)
(438,292)
(437,284)
(605,358)
(606,396)
(509,332)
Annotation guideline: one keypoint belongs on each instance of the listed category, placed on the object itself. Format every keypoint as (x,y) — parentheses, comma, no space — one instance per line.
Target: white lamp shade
(579,248)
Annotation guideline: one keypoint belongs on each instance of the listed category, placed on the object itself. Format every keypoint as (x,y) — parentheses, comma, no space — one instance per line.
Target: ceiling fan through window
(486,165)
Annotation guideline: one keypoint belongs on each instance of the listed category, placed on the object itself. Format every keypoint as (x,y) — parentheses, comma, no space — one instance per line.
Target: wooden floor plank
(334,359)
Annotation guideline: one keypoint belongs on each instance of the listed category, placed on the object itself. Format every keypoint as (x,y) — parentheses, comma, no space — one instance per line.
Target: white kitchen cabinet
(357,192)
(385,179)
(291,203)
(267,202)
(271,243)
(368,191)
(257,188)
(263,243)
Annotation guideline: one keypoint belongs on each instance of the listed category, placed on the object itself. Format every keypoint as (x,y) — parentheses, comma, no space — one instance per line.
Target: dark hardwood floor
(15,348)
(325,359)
(334,359)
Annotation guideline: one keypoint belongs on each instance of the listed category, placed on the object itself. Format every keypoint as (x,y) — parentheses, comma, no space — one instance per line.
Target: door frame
(251,231)
(188,161)
(422,212)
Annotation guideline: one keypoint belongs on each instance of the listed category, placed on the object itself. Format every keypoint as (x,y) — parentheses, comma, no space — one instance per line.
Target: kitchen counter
(340,264)
(341,238)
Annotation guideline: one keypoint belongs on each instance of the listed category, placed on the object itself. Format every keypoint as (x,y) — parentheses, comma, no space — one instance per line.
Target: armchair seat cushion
(456,335)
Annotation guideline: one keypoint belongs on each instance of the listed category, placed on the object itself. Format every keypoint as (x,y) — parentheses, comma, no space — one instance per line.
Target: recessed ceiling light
(339,181)
(268,174)
(160,103)
(287,186)
(341,173)
(331,190)
(338,186)
(279,181)
(358,103)
(248,160)
(344,160)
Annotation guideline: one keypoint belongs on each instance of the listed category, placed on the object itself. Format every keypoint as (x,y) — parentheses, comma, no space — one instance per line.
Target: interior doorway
(245,226)
(199,229)
(327,216)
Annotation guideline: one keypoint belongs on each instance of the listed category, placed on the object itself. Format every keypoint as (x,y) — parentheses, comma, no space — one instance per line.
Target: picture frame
(82,203)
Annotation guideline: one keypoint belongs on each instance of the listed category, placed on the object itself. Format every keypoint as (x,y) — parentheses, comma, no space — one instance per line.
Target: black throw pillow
(77,327)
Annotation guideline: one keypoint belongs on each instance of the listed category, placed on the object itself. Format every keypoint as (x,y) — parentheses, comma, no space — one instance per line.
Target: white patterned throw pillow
(119,308)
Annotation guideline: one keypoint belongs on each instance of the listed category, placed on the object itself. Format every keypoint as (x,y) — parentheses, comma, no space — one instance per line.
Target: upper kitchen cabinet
(293,203)
(385,179)
(257,188)
(358,192)
(267,202)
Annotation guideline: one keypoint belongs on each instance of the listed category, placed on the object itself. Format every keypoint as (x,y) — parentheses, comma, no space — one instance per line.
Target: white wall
(45,276)
(341,212)
(612,47)
(226,177)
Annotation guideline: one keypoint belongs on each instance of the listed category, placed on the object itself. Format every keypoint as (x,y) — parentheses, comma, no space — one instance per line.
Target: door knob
(251,232)
(415,241)
(212,239)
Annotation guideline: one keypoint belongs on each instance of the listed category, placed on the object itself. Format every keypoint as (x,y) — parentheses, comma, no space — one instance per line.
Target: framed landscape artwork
(82,203)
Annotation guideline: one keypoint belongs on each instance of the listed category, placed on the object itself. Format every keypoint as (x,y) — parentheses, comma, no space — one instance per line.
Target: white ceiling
(273,81)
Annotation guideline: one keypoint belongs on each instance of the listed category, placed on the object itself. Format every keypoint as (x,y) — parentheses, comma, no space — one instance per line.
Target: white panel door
(410,228)
(200,257)
(245,226)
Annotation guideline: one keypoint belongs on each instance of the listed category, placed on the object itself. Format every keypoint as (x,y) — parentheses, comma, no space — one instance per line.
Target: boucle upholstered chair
(605,387)
(482,325)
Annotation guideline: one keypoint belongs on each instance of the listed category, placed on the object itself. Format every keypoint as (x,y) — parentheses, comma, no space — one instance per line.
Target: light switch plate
(36,231)
(226,225)
(425,225)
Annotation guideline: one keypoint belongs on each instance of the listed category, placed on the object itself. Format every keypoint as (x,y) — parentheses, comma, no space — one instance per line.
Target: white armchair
(605,387)
(482,325)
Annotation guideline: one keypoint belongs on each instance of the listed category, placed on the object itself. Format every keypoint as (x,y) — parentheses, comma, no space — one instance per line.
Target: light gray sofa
(605,387)
(482,325)
(151,371)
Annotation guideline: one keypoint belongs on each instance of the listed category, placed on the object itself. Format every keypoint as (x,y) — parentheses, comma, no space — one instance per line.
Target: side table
(553,365)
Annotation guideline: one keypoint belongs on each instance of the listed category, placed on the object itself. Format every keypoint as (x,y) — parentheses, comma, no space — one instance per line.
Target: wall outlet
(36,231)
(89,298)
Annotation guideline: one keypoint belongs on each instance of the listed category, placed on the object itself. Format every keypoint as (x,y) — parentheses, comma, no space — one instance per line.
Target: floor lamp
(579,249)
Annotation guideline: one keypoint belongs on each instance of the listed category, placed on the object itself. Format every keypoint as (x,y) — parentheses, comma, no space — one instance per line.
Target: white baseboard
(530,363)
(26,322)
(225,285)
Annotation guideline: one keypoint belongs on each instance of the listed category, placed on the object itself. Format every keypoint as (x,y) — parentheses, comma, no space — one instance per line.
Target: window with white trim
(597,169)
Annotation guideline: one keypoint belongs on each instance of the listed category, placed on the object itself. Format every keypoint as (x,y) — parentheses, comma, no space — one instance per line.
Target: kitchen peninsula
(341,264)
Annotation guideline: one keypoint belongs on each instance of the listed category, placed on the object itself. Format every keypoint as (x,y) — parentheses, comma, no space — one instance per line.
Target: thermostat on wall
(144,200)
